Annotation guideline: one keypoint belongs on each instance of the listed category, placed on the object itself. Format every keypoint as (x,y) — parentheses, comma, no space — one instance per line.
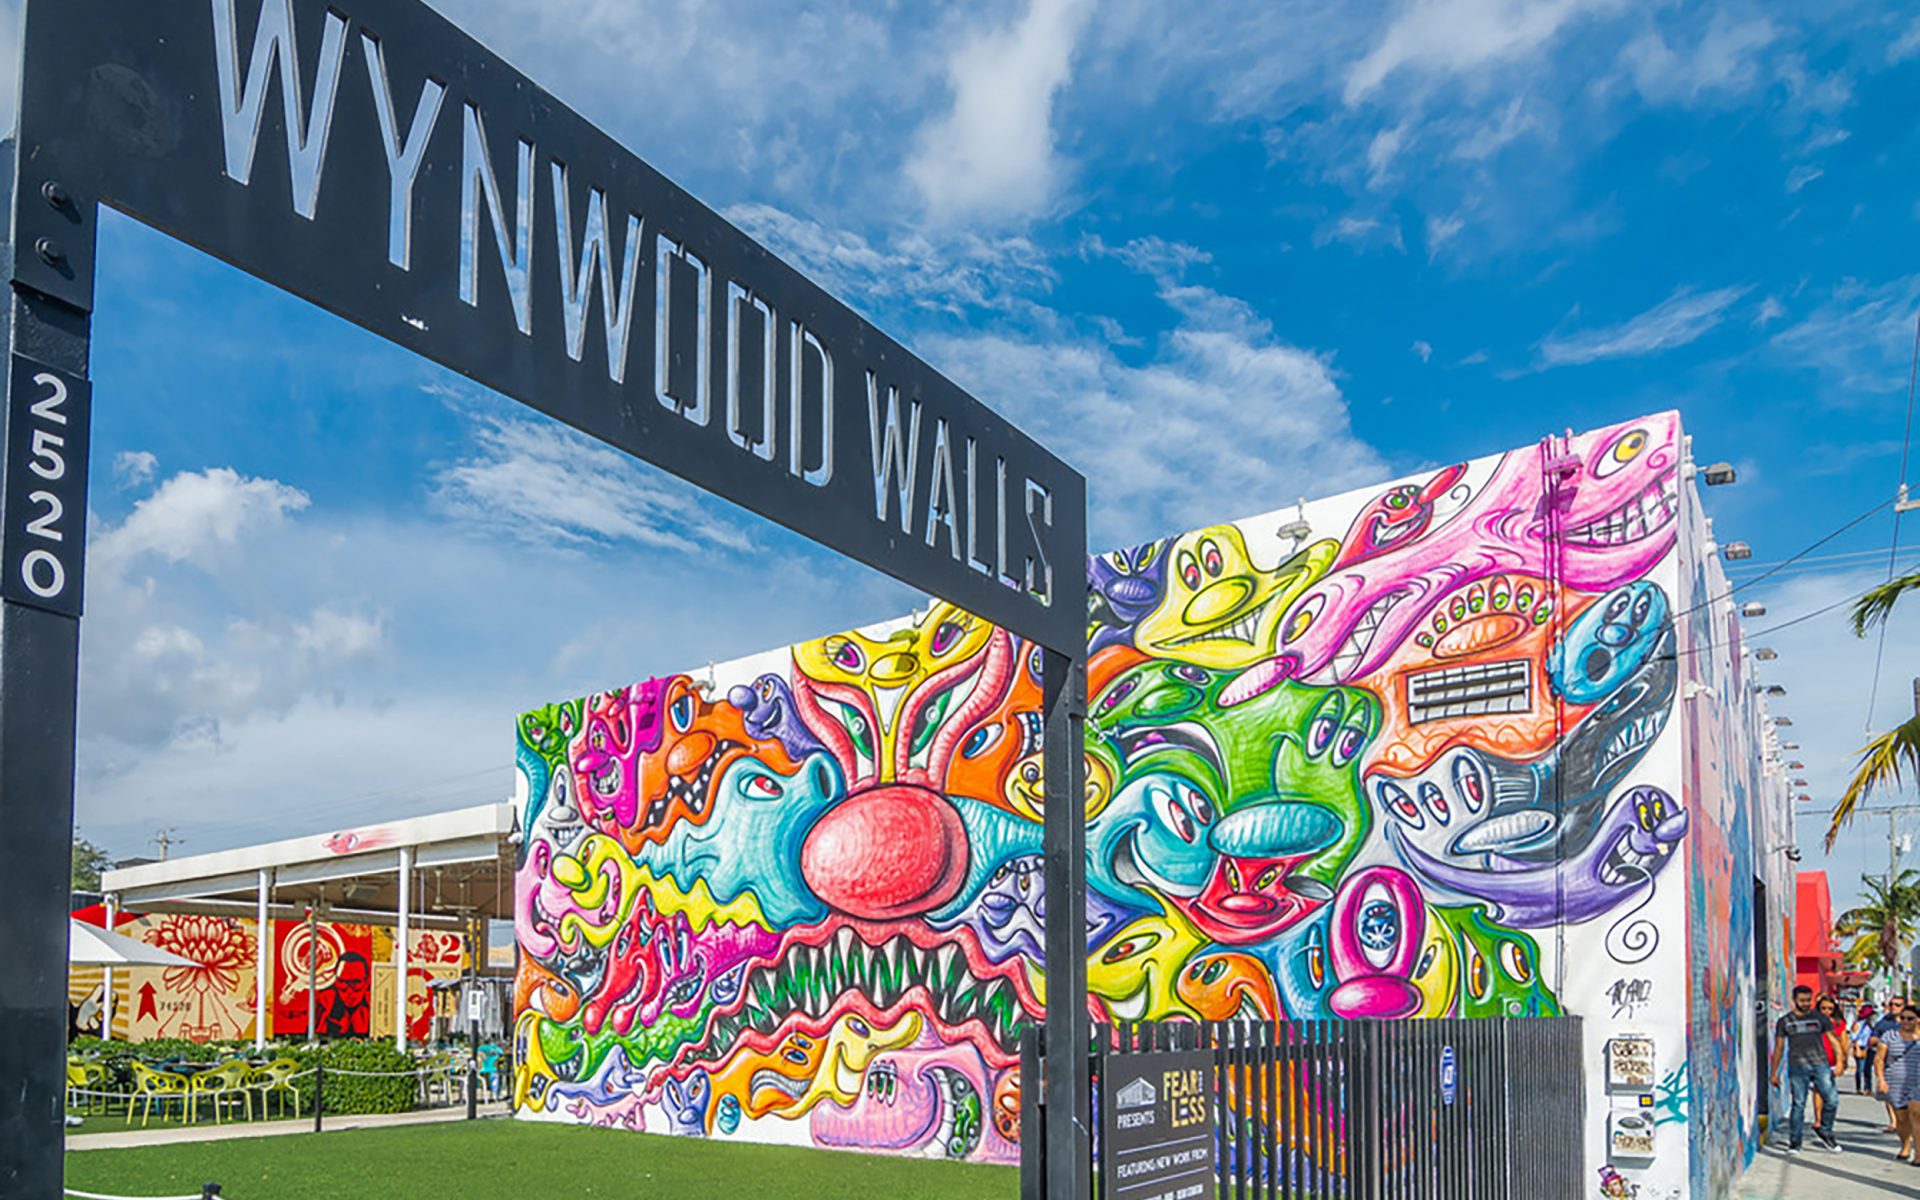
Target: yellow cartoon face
(1220,610)
(1137,971)
(853,1042)
(1437,971)
(882,703)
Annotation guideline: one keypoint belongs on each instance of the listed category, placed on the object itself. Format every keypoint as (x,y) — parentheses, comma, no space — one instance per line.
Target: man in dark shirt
(1802,1033)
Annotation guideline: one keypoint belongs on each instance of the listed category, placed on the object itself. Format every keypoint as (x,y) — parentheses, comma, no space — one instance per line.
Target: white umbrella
(91,946)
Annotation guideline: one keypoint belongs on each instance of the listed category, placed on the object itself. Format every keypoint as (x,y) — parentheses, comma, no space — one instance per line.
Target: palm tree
(1885,923)
(1888,757)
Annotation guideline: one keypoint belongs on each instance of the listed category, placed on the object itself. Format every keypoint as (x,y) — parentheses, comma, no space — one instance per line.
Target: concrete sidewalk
(1866,1168)
(114,1136)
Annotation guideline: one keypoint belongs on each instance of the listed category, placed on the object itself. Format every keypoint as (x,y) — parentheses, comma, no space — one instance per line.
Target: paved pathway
(113,1135)
(1865,1169)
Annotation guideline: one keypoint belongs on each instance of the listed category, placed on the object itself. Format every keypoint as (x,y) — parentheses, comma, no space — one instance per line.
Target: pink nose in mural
(886,853)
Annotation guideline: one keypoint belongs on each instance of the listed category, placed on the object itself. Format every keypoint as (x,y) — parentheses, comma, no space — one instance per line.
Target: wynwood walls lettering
(716,350)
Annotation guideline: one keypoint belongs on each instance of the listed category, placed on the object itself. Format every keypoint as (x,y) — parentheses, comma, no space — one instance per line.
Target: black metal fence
(1445,1109)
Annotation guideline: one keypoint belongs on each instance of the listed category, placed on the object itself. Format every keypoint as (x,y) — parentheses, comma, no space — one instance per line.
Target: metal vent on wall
(1471,691)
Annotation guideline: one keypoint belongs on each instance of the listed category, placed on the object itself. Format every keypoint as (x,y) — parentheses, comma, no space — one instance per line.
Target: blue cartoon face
(1302,965)
(751,840)
(1152,837)
(1610,641)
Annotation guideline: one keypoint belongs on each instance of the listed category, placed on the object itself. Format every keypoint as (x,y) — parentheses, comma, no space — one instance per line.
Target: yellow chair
(150,1085)
(230,1078)
(277,1076)
(94,1079)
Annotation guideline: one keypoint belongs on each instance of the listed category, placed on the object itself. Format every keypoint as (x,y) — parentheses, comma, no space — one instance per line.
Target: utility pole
(166,840)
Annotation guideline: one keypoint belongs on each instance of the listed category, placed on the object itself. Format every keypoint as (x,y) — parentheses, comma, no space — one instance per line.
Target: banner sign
(1157,1126)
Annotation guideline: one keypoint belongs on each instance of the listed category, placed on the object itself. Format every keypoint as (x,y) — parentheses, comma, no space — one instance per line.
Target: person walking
(1802,1036)
(1888,1022)
(1839,1049)
(1896,1076)
(1862,1059)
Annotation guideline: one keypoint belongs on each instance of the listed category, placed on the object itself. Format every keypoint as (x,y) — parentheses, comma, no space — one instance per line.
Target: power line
(1783,564)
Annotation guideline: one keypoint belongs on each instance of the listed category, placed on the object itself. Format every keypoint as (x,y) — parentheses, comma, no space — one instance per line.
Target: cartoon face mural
(1220,610)
(1123,587)
(1333,778)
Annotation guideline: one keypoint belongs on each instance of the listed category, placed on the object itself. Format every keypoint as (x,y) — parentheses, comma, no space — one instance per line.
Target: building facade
(1478,742)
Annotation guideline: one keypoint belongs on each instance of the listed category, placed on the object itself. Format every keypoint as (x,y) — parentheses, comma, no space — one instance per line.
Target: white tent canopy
(91,946)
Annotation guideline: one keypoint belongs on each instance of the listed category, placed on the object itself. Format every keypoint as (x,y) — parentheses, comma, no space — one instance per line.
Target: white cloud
(1455,37)
(540,482)
(1224,407)
(1801,176)
(1906,45)
(1859,339)
(1681,318)
(957,272)
(1424,349)
(1724,60)
(134,468)
(1361,233)
(1383,149)
(1771,310)
(993,154)
(194,515)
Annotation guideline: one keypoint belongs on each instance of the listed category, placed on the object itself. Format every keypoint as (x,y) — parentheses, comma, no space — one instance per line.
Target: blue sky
(1218,256)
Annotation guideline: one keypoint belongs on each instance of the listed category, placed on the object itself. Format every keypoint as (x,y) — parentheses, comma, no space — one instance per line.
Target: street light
(1783,720)
(1765,654)
(1789,745)
(1753,608)
(1774,689)
(1718,475)
(1735,551)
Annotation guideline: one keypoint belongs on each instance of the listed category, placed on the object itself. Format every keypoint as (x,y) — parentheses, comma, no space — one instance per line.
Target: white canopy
(92,946)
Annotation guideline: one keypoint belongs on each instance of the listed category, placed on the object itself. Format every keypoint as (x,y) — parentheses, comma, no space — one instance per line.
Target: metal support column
(1064,1083)
(400,953)
(262,965)
(106,979)
(40,648)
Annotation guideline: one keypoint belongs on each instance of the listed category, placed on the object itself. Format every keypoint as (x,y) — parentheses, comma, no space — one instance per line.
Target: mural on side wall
(214,1000)
(1383,770)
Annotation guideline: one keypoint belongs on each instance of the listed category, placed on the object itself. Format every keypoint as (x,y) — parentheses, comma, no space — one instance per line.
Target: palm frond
(1883,763)
(1874,607)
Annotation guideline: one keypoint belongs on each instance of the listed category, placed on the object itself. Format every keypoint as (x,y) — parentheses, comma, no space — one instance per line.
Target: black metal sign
(371,157)
(45,509)
(1157,1127)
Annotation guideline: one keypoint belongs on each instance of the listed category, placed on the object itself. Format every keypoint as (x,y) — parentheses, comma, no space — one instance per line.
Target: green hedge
(344,1093)
(357,1093)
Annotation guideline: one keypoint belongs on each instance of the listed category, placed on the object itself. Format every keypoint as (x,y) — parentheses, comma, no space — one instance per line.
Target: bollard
(473,1096)
(319,1092)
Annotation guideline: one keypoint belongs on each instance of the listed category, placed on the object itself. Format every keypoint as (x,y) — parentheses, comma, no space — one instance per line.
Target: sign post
(372,158)
(1157,1126)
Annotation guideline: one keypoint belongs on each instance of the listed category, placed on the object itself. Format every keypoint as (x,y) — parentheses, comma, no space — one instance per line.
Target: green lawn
(511,1160)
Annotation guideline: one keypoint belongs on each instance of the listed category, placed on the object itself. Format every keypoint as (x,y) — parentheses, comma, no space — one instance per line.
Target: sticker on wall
(1630,1062)
(1629,1135)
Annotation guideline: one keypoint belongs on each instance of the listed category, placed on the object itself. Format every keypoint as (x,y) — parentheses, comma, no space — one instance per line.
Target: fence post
(319,1092)
(1033,1144)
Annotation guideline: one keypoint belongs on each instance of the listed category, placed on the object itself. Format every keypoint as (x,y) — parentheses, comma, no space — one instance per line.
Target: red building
(1816,960)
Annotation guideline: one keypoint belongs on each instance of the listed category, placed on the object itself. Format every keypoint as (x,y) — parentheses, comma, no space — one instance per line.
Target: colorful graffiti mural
(1414,763)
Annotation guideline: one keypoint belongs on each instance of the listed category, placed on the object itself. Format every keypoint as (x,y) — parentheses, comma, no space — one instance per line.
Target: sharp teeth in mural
(801,900)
